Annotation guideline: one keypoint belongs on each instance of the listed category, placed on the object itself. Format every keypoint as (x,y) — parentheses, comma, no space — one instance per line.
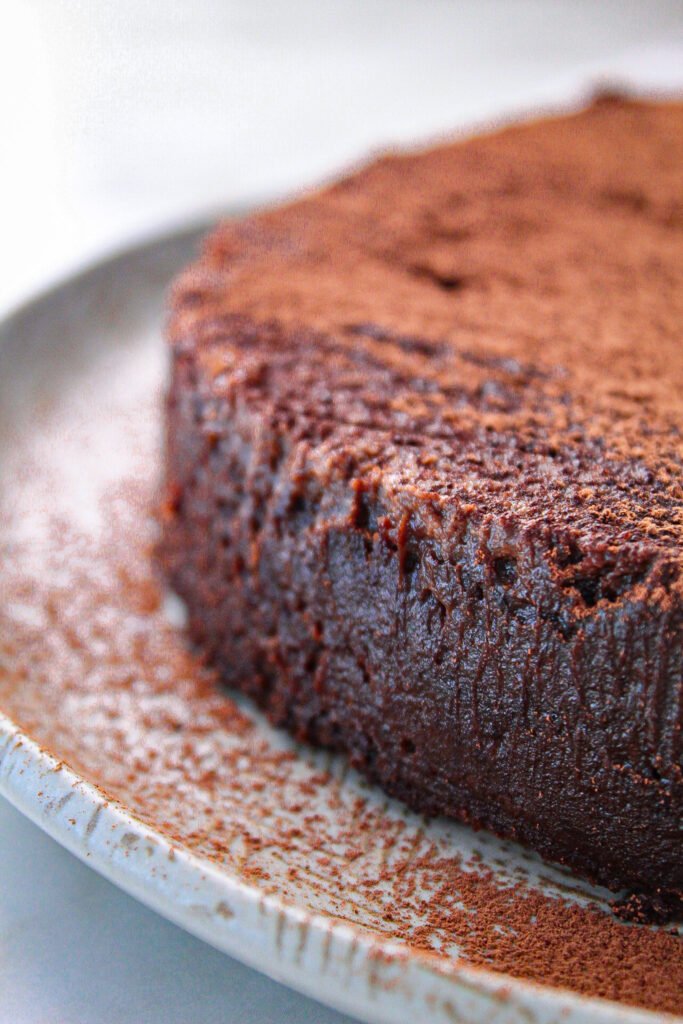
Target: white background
(119,117)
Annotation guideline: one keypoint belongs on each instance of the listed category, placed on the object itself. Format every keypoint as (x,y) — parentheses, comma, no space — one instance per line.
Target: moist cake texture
(423,493)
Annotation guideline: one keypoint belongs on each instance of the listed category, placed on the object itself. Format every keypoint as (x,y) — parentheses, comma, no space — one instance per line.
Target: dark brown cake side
(424,479)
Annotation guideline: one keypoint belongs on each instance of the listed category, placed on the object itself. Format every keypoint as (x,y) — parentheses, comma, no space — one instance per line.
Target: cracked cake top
(486,331)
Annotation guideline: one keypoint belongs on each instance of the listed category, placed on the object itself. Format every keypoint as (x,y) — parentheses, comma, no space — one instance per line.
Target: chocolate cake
(424,497)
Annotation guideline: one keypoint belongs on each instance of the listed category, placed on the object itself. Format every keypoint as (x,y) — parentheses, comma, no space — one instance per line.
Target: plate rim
(264,931)
(162,873)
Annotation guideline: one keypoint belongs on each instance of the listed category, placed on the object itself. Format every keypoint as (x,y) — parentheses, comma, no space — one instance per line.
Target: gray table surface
(122,117)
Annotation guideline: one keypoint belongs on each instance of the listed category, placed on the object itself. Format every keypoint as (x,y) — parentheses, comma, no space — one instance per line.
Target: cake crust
(423,494)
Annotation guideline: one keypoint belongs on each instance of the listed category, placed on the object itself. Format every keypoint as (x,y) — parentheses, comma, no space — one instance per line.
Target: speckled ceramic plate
(116,740)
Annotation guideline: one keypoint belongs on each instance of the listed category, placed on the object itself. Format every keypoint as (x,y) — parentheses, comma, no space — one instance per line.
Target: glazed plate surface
(118,742)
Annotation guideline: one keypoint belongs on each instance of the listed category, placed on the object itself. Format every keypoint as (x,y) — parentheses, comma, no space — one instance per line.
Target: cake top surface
(490,328)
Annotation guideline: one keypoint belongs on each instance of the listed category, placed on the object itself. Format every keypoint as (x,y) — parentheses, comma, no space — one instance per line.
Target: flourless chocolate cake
(424,497)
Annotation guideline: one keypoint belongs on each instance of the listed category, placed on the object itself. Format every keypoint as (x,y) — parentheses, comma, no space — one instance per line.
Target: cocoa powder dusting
(93,669)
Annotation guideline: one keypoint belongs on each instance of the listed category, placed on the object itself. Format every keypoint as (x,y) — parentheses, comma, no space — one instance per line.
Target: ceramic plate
(117,741)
